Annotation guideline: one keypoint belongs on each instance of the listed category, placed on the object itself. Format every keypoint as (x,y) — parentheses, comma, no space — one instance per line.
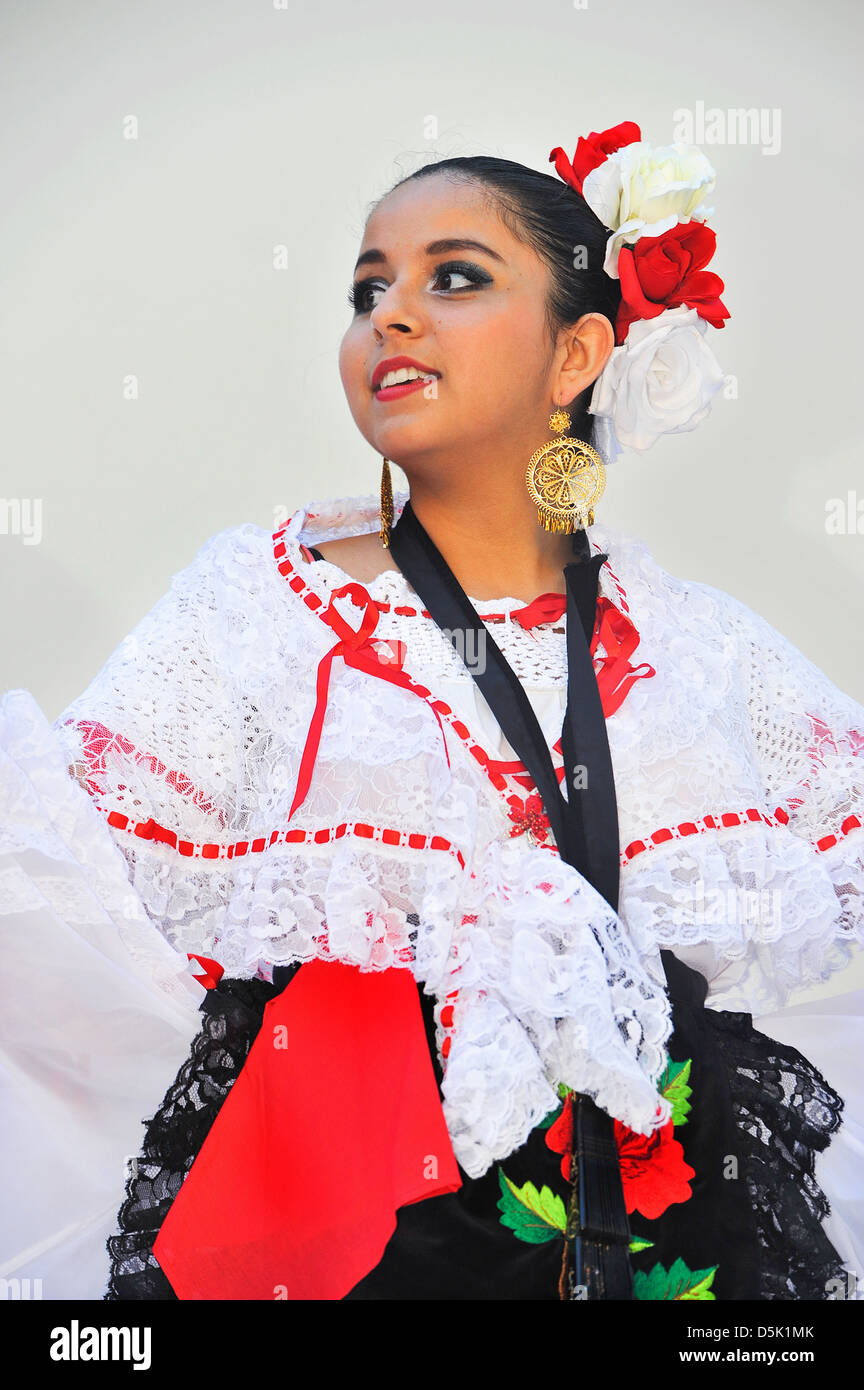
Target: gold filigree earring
(386,504)
(565,478)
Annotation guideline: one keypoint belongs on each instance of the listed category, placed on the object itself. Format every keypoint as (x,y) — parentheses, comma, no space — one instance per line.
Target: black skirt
(724,1206)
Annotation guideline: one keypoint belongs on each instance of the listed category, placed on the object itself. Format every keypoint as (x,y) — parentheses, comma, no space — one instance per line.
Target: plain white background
(259,127)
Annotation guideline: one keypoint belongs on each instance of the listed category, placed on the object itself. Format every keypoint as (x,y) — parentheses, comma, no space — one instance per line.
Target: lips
(393,364)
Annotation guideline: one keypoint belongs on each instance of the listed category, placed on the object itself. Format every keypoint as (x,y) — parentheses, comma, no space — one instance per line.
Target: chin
(404,440)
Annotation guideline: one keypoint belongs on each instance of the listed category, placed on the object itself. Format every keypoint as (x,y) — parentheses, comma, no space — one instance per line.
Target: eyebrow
(434,249)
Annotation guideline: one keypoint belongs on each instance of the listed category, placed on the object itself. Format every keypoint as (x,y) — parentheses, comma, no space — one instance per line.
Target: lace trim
(175,1134)
(160,834)
(786,1113)
(724,820)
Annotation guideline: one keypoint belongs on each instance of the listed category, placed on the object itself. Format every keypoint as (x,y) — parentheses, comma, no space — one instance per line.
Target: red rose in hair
(653,1170)
(660,272)
(593,151)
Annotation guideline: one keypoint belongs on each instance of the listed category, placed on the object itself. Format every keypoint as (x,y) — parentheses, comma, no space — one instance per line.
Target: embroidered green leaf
(550,1118)
(701,1289)
(678,1283)
(673,1086)
(532,1216)
(637,1244)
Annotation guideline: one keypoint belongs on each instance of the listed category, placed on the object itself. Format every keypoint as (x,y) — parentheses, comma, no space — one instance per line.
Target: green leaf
(637,1244)
(701,1289)
(677,1284)
(532,1216)
(673,1086)
(550,1119)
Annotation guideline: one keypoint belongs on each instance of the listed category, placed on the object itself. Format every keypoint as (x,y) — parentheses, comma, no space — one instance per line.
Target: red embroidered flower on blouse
(653,1170)
(528,816)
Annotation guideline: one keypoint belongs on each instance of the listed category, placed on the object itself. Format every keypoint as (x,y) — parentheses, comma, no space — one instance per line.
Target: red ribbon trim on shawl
(333,1124)
(356,650)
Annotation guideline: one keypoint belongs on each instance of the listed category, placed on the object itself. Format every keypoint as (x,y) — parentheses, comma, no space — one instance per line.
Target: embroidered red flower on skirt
(653,1171)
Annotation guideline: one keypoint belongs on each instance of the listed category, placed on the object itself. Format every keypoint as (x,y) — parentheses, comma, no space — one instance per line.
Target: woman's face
(474,314)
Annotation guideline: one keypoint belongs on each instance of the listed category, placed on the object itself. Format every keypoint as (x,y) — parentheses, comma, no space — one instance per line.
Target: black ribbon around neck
(585,827)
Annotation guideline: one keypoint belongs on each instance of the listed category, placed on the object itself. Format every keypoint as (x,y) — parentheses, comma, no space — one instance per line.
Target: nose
(394,313)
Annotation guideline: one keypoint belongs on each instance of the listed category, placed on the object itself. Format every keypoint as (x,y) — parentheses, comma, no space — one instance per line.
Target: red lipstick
(393,364)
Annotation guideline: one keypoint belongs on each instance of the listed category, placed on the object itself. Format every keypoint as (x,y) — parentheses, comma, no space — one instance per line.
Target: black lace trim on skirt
(785,1112)
(233,1013)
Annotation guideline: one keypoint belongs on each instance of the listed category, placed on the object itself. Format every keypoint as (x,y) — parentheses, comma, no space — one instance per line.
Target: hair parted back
(555,221)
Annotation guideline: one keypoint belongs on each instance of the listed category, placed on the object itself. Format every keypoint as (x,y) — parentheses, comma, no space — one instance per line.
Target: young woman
(442,847)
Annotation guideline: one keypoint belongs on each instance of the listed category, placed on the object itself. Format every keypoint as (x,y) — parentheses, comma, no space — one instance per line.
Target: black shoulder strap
(585,823)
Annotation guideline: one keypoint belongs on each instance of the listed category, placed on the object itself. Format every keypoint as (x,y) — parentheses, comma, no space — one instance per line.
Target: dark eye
(449,272)
(358,294)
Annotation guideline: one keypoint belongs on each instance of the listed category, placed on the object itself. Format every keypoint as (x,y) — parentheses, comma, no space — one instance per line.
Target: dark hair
(548,215)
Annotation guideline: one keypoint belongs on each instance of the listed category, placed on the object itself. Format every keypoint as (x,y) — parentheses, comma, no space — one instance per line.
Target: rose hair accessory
(661,375)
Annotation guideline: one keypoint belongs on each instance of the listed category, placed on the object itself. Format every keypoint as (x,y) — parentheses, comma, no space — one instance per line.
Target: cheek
(352,364)
(498,348)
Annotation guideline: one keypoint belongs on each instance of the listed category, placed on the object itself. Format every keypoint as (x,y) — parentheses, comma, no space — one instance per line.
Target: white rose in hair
(643,191)
(659,381)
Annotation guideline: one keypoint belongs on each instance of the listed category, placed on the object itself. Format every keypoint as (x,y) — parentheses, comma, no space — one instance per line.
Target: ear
(584,349)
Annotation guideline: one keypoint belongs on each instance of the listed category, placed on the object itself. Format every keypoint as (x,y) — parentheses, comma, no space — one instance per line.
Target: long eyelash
(355,292)
(466,268)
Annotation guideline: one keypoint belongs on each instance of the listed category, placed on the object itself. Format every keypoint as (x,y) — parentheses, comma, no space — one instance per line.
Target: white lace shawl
(738,773)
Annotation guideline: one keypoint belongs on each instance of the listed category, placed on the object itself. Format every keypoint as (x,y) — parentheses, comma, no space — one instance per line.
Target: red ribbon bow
(358,651)
(619,639)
